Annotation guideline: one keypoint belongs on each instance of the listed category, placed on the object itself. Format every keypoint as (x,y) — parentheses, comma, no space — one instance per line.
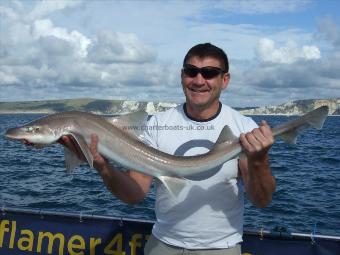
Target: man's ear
(182,73)
(226,79)
(182,76)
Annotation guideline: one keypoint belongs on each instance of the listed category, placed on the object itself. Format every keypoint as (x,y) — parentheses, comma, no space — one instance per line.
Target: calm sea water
(308,182)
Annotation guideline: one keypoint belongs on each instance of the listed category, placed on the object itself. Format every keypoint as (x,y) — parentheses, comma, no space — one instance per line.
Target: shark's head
(35,133)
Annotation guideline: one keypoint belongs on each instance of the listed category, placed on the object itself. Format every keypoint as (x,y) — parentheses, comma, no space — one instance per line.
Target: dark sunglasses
(207,72)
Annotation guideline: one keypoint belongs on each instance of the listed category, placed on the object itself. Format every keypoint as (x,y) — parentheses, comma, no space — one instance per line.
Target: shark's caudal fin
(290,137)
(173,184)
(315,118)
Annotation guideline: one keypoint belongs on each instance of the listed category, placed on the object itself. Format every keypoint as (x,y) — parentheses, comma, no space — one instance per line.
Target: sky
(279,51)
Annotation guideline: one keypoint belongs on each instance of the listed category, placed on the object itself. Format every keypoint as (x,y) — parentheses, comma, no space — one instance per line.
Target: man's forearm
(121,184)
(261,183)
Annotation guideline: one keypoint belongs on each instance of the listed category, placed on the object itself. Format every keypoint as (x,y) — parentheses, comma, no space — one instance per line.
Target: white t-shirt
(208,212)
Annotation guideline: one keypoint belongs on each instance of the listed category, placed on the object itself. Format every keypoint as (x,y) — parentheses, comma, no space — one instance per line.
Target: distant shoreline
(118,107)
(39,113)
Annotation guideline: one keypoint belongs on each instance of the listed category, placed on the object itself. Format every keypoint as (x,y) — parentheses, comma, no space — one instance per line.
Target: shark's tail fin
(317,117)
(289,131)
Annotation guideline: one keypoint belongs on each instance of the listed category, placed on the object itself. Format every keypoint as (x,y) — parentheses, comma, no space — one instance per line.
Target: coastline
(100,113)
(119,107)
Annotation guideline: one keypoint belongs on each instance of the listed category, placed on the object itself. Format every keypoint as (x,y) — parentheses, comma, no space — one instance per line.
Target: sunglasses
(207,72)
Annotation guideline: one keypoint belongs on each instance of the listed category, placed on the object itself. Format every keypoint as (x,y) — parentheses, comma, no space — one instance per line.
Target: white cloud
(329,31)
(46,7)
(8,13)
(134,49)
(51,47)
(268,52)
(112,47)
(310,52)
(51,60)
(272,83)
(45,28)
(7,78)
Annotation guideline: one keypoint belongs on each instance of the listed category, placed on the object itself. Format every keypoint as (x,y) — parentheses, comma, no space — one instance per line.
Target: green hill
(99,106)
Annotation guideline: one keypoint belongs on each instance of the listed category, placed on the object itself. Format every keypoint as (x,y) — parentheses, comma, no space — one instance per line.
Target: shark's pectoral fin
(84,148)
(71,160)
(173,184)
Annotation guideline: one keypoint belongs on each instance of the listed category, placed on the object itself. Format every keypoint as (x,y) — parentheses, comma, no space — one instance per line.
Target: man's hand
(35,145)
(98,160)
(257,143)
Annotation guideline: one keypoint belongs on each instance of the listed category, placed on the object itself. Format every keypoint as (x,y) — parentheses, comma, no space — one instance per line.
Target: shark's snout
(17,133)
(11,133)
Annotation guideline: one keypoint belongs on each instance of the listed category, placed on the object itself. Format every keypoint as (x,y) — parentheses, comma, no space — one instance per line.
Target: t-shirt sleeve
(248,124)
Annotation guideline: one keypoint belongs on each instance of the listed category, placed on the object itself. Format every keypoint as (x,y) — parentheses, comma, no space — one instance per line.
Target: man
(207,216)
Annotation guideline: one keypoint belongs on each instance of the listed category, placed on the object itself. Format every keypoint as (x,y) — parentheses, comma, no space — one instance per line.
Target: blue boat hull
(37,232)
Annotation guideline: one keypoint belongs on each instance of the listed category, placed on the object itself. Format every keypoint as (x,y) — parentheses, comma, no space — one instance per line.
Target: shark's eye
(32,129)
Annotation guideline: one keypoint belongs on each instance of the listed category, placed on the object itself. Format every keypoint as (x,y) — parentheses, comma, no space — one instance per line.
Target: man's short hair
(208,50)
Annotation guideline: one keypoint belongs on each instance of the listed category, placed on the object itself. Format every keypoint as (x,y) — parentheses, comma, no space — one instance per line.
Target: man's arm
(254,166)
(130,186)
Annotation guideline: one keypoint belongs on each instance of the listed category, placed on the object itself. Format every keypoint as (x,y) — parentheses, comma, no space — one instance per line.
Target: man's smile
(199,90)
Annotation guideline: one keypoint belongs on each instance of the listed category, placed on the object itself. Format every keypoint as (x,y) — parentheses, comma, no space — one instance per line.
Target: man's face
(201,92)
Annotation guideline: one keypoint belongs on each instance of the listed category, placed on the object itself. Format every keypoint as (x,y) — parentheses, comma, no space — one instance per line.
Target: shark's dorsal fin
(132,123)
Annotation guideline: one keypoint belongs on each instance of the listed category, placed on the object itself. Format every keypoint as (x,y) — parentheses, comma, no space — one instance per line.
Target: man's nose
(199,80)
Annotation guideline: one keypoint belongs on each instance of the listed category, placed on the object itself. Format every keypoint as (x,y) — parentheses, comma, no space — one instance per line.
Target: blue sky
(278,50)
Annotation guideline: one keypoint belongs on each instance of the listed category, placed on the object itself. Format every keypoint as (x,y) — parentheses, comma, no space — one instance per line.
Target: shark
(127,148)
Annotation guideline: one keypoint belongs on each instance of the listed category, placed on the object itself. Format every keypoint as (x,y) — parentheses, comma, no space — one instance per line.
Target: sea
(307,198)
